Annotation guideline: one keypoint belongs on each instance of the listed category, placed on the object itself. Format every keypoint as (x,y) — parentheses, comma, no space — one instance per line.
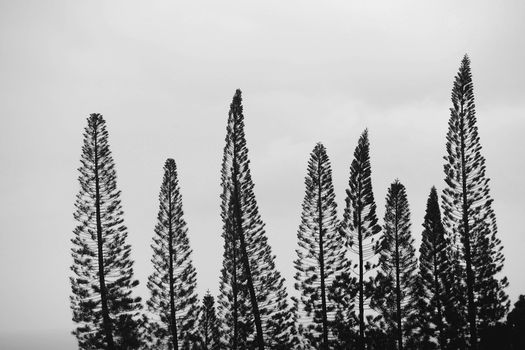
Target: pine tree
(173,300)
(209,325)
(432,284)
(321,255)
(397,264)
(359,225)
(468,214)
(104,309)
(516,323)
(252,293)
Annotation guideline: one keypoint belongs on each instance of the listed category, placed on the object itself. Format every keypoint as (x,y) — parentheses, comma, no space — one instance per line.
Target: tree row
(358,284)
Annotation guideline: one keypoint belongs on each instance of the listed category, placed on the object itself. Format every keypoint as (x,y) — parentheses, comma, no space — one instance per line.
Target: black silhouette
(173,300)
(468,214)
(252,292)
(209,330)
(321,254)
(397,264)
(104,309)
(359,224)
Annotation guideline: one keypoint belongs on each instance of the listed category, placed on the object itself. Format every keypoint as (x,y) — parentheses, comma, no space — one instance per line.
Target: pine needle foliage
(321,254)
(209,331)
(360,224)
(173,299)
(397,265)
(104,309)
(432,283)
(468,214)
(253,303)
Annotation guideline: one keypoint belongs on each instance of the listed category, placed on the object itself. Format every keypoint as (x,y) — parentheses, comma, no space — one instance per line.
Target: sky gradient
(163,75)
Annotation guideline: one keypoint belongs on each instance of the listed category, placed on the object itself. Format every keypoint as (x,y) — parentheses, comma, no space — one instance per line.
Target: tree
(432,279)
(468,215)
(209,325)
(321,254)
(104,309)
(359,225)
(516,323)
(397,264)
(252,292)
(173,300)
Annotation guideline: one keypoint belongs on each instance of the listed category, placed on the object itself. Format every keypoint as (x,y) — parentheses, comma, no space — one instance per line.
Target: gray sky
(163,74)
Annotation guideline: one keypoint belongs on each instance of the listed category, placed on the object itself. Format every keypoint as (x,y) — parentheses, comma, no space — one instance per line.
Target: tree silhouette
(433,287)
(359,224)
(320,256)
(468,214)
(209,325)
(173,300)
(397,264)
(516,323)
(252,293)
(106,313)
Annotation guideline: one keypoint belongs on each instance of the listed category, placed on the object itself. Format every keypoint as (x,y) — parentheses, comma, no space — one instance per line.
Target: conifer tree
(397,264)
(321,254)
(173,299)
(432,285)
(359,225)
(516,323)
(468,214)
(252,293)
(104,308)
(209,325)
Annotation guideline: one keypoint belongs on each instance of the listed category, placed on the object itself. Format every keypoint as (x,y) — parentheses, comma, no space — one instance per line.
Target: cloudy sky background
(163,74)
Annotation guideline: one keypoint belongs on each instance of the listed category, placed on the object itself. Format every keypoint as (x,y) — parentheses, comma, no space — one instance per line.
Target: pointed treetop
(466,61)
(364,135)
(397,187)
(170,162)
(319,148)
(464,70)
(237,98)
(433,192)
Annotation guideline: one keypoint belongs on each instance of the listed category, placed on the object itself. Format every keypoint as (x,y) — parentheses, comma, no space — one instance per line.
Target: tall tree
(432,285)
(321,254)
(397,264)
(252,293)
(104,309)
(173,299)
(468,214)
(359,225)
(209,325)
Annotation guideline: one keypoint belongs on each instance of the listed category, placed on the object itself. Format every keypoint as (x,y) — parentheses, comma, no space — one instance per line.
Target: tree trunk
(361,341)
(471,308)
(399,331)
(173,311)
(106,321)
(437,295)
(321,260)
(246,261)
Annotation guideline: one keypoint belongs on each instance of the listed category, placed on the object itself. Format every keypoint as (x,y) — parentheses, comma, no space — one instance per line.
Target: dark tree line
(358,286)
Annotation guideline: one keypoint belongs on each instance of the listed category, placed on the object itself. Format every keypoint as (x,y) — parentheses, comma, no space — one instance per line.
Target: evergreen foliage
(105,311)
(173,300)
(360,224)
(516,323)
(468,216)
(321,254)
(394,292)
(432,283)
(209,325)
(253,303)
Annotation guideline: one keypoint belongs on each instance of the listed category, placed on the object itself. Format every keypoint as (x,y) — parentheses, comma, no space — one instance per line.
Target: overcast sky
(163,75)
